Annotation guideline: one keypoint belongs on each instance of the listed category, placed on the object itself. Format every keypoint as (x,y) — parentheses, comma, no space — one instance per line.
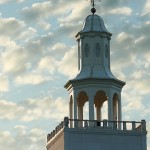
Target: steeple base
(103,135)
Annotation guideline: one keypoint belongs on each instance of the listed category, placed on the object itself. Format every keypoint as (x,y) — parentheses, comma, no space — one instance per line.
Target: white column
(91,105)
(71,111)
(75,96)
(119,108)
(110,105)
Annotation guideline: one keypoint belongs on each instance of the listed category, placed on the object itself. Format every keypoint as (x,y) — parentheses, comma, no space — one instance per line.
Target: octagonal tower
(94,85)
(94,82)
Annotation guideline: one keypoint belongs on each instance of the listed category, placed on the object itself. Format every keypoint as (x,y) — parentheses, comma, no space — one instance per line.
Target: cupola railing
(101,125)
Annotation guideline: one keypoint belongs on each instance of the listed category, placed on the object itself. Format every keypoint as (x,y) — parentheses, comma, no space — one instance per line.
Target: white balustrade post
(104,123)
(124,125)
(133,125)
(143,125)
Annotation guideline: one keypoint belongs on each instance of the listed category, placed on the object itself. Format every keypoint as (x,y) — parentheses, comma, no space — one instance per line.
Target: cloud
(59,49)
(14,61)
(45,108)
(41,44)
(138,74)
(4,86)
(133,105)
(124,38)
(6,42)
(20,45)
(121,11)
(33,109)
(68,64)
(42,12)
(38,13)
(72,15)
(142,87)
(6,1)
(48,63)
(32,79)
(23,138)
(114,3)
(146,9)
(9,110)
(14,34)
(11,26)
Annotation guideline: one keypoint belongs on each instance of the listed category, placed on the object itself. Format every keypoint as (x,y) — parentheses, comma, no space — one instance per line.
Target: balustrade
(105,124)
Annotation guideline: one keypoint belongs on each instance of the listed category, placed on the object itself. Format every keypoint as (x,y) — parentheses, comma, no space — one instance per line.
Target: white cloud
(140,74)
(48,63)
(23,138)
(121,11)
(124,37)
(30,55)
(73,14)
(9,110)
(6,42)
(13,29)
(59,46)
(32,79)
(20,1)
(147,56)
(14,61)
(11,26)
(14,34)
(38,13)
(4,84)
(147,7)
(6,1)
(133,105)
(34,109)
(45,108)
(142,86)
(68,65)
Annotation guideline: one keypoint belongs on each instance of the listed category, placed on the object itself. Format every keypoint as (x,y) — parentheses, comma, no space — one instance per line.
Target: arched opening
(82,99)
(71,110)
(86,111)
(105,110)
(115,107)
(99,100)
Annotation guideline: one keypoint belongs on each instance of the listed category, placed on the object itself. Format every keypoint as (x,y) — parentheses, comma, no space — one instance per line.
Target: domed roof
(94,23)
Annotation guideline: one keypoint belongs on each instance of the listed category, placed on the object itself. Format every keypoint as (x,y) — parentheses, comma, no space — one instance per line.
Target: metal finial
(93,10)
(93,3)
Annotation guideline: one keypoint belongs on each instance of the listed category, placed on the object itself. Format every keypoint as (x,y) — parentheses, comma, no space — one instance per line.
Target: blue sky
(38,55)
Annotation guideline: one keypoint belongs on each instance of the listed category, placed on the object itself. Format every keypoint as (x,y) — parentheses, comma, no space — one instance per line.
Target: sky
(38,55)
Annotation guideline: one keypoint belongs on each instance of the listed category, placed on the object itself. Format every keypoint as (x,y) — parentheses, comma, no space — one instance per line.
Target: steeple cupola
(94,82)
(94,23)
(94,49)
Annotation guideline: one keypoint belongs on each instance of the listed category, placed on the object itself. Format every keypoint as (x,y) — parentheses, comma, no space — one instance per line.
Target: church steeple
(94,49)
(94,82)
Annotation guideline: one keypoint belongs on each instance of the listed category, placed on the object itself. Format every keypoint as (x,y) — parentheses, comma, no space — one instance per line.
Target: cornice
(96,81)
